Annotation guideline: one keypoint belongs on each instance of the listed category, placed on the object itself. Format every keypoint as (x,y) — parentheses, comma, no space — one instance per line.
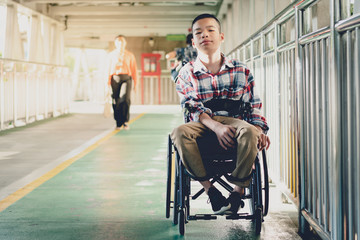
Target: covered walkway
(303,54)
(80,179)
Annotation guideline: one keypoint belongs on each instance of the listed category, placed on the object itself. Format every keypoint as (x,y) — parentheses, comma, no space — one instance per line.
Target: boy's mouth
(205,42)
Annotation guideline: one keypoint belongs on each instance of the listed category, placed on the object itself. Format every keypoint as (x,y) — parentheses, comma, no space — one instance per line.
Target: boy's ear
(193,44)
(222,37)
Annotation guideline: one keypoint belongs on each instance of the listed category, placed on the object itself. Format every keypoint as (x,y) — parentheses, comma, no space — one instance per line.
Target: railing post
(335,126)
(159,89)
(14,96)
(2,105)
(303,225)
(37,100)
(46,74)
(27,94)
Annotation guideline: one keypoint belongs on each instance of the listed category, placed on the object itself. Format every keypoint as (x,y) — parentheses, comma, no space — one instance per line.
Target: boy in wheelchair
(215,91)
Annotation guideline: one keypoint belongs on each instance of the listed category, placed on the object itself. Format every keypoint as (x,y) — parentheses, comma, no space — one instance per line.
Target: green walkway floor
(117,191)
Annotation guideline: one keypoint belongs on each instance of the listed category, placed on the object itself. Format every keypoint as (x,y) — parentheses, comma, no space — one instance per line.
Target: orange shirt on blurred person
(122,63)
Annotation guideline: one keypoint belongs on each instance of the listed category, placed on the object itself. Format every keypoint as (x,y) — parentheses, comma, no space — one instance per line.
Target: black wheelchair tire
(258,220)
(256,189)
(266,184)
(258,186)
(168,182)
(182,222)
(176,192)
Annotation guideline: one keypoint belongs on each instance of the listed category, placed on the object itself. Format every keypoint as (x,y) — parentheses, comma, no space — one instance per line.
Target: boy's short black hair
(205,15)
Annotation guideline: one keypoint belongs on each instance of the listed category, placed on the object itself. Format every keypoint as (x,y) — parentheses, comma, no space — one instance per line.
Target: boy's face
(207,36)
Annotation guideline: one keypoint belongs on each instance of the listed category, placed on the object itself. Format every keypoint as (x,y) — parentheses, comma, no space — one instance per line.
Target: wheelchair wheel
(182,198)
(256,206)
(176,191)
(181,222)
(258,220)
(266,184)
(168,182)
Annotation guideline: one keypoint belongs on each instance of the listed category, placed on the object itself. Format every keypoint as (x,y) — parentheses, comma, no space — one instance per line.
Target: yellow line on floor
(12,198)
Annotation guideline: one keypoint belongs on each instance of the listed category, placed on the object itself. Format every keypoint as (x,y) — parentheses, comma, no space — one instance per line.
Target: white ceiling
(95,23)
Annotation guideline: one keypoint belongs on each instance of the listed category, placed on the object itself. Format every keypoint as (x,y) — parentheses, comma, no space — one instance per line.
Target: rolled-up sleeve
(256,117)
(189,99)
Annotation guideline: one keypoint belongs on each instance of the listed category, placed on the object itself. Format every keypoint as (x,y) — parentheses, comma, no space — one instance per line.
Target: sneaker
(126,127)
(235,200)
(219,203)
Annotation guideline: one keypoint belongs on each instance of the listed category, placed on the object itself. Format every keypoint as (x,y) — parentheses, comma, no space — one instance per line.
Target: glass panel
(257,47)
(349,8)
(248,52)
(316,16)
(24,29)
(287,31)
(241,57)
(2,29)
(354,7)
(269,40)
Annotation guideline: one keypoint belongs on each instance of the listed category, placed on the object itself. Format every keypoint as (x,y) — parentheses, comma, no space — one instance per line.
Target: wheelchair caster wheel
(181,222)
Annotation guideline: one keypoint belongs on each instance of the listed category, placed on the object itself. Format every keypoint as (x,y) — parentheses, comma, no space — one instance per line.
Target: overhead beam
(117,1)
(131,10)
(130,32)
(188,17)
(136,24)
(139,27)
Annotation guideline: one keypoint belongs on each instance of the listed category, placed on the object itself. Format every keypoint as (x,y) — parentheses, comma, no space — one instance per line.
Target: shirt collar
(200,67)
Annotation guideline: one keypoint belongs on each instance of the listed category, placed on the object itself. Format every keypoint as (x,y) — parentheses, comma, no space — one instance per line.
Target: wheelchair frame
(181,189)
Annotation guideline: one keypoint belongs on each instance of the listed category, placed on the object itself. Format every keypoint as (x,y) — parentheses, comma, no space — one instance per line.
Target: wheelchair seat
(217,161)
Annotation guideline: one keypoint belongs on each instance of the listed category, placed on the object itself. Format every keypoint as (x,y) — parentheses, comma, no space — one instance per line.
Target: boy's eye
(196,33)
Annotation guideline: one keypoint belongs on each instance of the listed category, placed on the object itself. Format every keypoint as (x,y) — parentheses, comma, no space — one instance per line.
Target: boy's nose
(205,34)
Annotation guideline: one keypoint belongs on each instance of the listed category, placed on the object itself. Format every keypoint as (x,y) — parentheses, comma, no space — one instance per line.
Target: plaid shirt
(196,85)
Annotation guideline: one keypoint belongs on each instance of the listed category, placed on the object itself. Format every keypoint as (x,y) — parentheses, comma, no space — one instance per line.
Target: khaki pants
(184,138)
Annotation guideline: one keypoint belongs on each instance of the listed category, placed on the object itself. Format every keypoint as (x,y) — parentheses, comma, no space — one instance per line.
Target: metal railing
(93,87)
(273,64)
(349,43)
(153,93)
(309,79)
(31,91)
(315,133)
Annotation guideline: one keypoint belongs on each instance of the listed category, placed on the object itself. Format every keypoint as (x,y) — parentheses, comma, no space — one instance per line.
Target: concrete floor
(74,177)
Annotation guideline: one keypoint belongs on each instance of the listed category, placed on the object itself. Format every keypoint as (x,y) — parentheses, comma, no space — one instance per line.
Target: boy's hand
(225,135)
(264,140)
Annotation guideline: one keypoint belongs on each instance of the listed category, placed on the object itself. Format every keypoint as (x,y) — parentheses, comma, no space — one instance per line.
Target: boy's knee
(178,132)
(249,134)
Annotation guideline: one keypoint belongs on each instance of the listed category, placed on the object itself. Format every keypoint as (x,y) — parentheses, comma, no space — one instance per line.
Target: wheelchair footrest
(240,216)
(202,217)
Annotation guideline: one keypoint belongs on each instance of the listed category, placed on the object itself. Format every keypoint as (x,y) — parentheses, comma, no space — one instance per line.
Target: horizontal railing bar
(286,46)
(30,62)
(305,4)
(348,24)
(268,52)
(319,230)
(314,36)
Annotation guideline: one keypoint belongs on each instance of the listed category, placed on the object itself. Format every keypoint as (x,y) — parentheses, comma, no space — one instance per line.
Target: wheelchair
(219,163)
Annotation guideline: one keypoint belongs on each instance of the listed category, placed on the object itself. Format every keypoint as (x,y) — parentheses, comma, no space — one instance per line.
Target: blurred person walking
(122,73)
